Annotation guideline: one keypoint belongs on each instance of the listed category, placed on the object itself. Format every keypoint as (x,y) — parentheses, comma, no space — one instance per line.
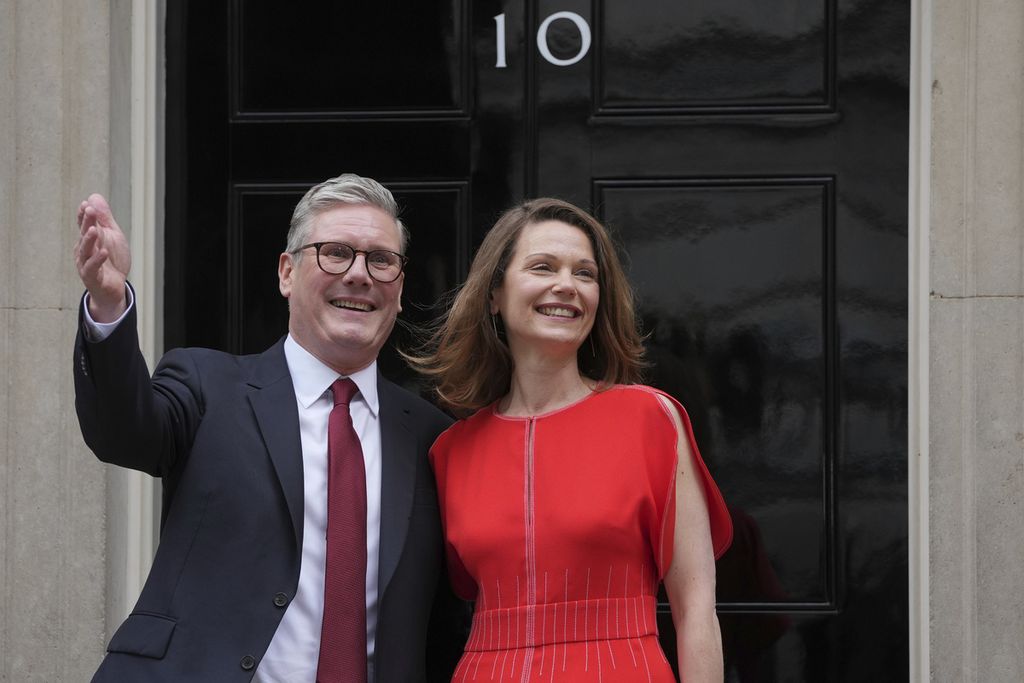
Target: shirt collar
(311,378)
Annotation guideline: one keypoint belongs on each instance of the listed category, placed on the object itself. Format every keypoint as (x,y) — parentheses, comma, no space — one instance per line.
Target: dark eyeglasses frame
(402,259)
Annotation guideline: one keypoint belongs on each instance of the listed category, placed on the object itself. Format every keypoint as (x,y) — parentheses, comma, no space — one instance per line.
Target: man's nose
(358,272)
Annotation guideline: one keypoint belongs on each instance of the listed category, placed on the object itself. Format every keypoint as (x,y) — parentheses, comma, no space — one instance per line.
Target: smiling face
(549,296)
(343,320)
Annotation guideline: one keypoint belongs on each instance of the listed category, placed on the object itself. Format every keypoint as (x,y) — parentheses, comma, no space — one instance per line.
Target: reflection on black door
(751,158)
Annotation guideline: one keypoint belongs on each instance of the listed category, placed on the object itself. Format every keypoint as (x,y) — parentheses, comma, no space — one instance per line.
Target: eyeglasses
(336,258)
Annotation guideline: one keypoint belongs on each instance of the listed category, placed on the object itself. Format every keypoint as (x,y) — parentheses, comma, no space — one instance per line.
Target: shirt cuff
(97,332)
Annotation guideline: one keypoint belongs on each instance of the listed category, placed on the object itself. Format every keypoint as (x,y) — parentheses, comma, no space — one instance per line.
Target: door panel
(751,159)
(347,59)
(734,280)
(714,57)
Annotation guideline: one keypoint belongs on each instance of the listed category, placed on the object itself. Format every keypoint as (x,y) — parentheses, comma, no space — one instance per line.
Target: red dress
(560,527)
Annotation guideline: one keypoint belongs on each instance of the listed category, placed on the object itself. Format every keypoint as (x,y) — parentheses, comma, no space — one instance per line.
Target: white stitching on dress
(625,594)
(636,617)
(497,616)
(531,550)
(575,618)
(586,621)
(643,651)
(508,644)
(543,627)
(565,621)
(554,637)
(643,588)
(608,616)
(518,605)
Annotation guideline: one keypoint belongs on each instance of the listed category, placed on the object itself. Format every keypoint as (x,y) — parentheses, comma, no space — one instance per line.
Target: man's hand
(103,259)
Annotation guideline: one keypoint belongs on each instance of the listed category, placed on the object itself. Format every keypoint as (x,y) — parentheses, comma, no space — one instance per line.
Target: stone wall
(976,367)
(54,148)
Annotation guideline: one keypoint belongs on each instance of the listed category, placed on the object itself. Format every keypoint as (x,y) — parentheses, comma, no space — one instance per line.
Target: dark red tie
(343,635)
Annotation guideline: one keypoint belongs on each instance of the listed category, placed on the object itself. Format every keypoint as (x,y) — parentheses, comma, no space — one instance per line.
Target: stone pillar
(976,369)
(56,116)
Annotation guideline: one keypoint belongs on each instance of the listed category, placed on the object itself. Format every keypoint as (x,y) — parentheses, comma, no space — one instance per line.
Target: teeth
(355,305)
(557,311)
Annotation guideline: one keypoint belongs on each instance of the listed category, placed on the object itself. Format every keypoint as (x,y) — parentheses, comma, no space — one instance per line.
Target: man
(273,465)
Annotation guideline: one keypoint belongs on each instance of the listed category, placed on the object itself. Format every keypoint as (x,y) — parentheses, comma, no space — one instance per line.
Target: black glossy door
(750,156)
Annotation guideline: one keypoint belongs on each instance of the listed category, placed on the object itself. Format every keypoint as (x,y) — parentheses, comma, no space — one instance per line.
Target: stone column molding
(78,109)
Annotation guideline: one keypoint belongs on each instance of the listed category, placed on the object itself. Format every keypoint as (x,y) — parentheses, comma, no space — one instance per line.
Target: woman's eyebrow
(544,254)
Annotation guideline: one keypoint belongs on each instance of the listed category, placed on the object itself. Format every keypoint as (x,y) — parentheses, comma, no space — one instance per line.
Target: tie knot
(343,389)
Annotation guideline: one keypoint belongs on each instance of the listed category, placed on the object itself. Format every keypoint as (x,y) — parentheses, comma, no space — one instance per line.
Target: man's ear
(285,272)
(401,285)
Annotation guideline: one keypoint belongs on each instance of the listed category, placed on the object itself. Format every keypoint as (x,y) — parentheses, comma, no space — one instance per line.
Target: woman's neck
(541,385)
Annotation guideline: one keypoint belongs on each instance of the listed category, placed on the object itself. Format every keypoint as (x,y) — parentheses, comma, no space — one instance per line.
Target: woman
(571,491)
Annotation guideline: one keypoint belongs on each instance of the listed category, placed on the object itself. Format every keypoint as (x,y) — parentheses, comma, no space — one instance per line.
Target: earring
(495,326)
(592,351)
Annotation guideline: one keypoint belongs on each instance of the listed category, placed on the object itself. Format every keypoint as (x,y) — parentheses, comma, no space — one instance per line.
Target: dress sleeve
(718,513)
(461,580)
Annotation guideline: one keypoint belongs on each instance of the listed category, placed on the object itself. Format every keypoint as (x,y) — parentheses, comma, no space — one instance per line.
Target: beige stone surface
(38,123)
(952,114)
(977,158)
(951,493)
(999,450)
(977,489)
(999,172)
(54,125)
(55,504)
(86,157)
(976,345)
(5,485)
(8,160)
(8,169)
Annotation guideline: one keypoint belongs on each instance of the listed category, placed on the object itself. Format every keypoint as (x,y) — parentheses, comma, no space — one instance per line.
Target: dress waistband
(563,622)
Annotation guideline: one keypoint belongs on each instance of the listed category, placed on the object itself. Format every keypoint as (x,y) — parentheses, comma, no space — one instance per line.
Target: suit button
(248,662)
(280,600)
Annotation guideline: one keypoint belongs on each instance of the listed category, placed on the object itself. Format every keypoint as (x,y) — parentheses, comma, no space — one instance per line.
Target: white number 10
(542,39)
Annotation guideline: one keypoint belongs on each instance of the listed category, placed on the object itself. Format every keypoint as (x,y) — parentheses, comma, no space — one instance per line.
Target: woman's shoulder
(639,394)
(463,427)
(643,401)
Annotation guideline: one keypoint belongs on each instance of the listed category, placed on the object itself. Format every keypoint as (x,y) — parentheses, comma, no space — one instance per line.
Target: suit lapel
(272,397)
(398,479)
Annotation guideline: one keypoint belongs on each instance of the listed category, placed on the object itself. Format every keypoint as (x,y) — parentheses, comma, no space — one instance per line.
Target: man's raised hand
(103,259)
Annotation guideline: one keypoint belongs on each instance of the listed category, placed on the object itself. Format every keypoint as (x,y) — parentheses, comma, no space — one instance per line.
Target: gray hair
(348,188)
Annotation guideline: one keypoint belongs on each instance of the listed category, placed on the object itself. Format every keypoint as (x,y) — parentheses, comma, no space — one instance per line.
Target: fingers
(95,211)
(102,211)
(102,255)
(86,217)
(89,269)
(86,248)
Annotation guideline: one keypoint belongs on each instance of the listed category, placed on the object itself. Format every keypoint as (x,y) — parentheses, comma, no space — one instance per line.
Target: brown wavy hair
(467,357)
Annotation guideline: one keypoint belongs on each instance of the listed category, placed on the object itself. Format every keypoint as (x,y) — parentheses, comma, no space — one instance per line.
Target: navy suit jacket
(222,432)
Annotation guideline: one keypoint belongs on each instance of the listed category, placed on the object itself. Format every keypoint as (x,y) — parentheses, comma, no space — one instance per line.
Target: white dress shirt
(294,651)
(295,648)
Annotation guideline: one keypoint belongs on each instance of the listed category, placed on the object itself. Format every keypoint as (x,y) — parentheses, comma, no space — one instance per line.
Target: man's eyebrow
(373,247)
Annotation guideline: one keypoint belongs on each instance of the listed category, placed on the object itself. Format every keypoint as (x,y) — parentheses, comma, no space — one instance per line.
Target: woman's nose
(564,283)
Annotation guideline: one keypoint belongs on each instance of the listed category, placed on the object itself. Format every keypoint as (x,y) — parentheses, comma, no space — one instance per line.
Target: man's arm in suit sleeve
(126,417)
(450,617)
